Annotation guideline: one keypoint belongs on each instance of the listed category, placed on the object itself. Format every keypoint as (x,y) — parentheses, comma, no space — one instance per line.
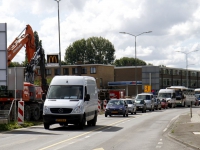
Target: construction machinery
(32,95)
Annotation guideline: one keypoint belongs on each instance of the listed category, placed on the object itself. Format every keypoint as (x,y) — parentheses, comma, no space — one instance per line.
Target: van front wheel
(46,126)
(93,121)
(82,123)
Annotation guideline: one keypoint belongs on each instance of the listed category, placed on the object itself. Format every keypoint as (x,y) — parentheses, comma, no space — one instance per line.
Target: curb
(178,140)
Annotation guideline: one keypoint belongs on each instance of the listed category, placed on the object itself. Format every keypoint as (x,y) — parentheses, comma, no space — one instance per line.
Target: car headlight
(45,110)
(121,108)
(77,109)
(107,108)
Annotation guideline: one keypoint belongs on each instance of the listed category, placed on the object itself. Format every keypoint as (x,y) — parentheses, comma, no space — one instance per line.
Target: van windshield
(164,95)
(145,97)
(65,92)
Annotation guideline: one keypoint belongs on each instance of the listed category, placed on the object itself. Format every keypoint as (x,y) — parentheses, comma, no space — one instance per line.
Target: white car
(131,105)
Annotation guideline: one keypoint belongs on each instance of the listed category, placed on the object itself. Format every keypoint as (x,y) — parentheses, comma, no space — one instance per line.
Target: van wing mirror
(87,97)
(43,96)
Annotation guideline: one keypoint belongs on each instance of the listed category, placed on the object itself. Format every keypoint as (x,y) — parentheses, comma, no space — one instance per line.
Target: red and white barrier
(20,117)
(99,105)
(104,104)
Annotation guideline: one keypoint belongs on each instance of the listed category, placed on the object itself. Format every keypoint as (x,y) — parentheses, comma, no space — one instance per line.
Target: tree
(15,64)
(126,61)
(93,50)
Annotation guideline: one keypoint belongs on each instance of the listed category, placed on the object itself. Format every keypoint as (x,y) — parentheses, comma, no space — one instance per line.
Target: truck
(71,100)
(32,95)
(107,94)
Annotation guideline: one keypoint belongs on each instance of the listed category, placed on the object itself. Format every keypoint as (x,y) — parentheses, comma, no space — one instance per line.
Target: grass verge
(14,125)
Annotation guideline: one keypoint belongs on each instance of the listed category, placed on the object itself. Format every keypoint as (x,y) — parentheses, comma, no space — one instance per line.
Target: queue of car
(141,103)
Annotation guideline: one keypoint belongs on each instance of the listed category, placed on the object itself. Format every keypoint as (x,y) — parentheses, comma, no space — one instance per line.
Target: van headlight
(45,110)
(77,109)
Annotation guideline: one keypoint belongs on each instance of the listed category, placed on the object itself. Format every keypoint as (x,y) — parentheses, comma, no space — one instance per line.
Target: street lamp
(186,56)
(135,55)
(59,35)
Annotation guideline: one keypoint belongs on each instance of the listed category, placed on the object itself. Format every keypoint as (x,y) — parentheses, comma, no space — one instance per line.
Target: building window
(66,71)
(101,82)
(193,83)
(56,71)
(84,71)
(168,82)
(48,72)
(74,71)
(93,70)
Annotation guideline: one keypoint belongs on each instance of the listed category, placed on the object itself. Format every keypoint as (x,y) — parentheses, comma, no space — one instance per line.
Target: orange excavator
(32,95)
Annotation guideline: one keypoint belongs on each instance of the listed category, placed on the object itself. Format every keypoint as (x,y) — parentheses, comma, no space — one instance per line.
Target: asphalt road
(143,131)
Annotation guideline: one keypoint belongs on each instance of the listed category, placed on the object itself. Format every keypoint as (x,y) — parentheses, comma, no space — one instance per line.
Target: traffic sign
(147,88)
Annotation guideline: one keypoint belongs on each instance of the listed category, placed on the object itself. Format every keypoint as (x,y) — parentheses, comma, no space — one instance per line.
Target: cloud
(174,25)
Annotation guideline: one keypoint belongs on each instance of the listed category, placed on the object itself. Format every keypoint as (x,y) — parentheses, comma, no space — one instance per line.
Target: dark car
(164,104)
(141,105)
(157,104)
(116,107)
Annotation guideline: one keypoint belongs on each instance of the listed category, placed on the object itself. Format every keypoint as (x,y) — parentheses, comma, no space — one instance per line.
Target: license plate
(61,120)
(114,112)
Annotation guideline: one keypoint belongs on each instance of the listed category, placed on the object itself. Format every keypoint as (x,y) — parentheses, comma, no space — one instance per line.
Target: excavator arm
(20,41)
(38,59)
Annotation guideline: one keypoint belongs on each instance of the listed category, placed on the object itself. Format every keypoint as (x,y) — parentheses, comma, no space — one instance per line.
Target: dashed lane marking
(86,133)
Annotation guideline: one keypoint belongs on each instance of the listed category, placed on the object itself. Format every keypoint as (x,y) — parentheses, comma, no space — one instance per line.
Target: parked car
(164,104)
(157,104)
(141,105)
(116,107)
(149,100)
(131,106)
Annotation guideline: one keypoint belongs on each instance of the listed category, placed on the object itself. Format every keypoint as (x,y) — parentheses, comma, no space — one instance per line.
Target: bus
(184,95)
(197,91)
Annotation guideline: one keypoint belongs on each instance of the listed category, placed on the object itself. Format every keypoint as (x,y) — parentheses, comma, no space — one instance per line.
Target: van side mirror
(43,96)
(87,97)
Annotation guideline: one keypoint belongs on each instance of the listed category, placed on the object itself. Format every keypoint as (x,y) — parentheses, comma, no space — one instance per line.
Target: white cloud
(173,27)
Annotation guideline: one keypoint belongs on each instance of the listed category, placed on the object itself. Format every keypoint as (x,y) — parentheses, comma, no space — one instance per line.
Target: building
(154,76)
(102,73)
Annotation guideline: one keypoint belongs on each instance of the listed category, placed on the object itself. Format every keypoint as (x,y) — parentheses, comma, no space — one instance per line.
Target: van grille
(61,110)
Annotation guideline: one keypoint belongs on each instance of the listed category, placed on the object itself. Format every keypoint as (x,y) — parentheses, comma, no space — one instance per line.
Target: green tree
(126,61)
(93,50)
(15,64)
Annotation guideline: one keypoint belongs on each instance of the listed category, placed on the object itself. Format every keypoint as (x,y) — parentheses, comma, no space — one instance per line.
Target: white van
(149,100)
(169,95)
(71,100)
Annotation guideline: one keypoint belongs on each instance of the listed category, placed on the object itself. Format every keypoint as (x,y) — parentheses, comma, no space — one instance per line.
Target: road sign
(147,88)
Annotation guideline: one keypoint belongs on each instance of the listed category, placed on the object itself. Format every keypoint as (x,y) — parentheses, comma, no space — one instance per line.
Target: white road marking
(165,130)
(160,143)
(98,149)
(87,136)
(196,132)
(158,146)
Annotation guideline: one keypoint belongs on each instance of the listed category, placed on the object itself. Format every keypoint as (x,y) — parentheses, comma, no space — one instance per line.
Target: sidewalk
(186,129)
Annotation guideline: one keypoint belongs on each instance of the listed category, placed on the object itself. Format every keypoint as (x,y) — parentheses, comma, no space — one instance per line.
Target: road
(143,131)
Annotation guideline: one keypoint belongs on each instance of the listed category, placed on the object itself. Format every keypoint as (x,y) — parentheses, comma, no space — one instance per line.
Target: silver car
(131,105)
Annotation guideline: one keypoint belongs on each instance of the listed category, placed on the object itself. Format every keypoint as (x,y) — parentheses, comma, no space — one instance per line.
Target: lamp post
(136,89)
(59,35)
(186,57)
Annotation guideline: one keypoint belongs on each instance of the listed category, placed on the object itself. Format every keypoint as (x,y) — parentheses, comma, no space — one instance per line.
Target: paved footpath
(186,129)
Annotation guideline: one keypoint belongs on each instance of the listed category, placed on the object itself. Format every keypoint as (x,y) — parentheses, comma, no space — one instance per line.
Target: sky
(175,26)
